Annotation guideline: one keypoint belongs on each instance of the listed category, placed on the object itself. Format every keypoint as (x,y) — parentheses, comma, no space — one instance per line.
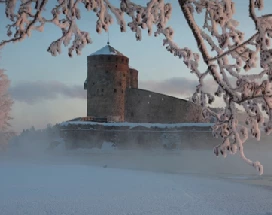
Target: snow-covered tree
(222,46)
(5,107)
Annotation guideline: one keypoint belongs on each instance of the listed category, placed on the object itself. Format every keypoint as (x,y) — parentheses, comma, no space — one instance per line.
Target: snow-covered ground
(131,183)
(79,189)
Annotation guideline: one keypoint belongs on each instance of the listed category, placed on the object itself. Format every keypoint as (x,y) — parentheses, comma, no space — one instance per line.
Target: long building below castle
(113,94)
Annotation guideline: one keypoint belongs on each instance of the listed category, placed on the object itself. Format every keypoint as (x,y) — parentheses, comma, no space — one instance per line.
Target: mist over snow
(40,176)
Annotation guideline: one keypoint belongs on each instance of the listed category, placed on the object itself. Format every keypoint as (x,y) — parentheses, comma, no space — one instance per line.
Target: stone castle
(113,94)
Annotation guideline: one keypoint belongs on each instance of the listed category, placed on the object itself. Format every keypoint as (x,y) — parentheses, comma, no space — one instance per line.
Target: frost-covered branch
(229,44)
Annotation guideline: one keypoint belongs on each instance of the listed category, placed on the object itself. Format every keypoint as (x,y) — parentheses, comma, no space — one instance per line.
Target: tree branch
(195,30)
(252,14)
(234,49)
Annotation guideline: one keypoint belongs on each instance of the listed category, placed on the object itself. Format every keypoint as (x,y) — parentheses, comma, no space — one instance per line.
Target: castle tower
(106,84)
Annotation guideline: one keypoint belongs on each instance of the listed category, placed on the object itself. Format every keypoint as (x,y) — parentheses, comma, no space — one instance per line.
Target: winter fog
(195,157)
(40,175)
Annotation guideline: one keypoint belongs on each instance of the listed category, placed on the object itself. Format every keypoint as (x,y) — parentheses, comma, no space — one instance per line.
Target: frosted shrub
(5,108)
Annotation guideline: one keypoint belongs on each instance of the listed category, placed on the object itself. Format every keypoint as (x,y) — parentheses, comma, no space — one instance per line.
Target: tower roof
(107,50)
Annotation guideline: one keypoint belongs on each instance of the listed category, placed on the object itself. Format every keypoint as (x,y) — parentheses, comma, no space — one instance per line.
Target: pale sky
(49,89)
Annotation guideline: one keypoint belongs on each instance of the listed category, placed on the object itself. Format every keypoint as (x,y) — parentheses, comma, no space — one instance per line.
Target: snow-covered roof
(133,125)
(107,50)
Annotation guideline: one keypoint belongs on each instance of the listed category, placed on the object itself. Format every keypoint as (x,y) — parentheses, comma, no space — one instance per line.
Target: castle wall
(89,136)
(146,106)
(106,86)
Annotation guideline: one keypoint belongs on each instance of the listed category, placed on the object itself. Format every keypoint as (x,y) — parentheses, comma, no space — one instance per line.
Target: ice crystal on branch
(228,55)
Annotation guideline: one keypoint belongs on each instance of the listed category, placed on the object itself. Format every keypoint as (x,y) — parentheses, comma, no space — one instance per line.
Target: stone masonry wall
(146,106)
(93,136)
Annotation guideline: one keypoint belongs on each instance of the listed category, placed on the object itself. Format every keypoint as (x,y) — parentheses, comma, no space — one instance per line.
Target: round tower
(107,72)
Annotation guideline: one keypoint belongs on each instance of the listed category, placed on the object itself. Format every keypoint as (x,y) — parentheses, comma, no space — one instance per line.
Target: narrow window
(102,90)
(115,90)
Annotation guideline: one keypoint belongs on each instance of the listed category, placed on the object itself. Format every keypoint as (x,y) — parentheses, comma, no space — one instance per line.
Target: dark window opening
(107,72)
(120,83)
(122,91)
(115,66)
(102,90)
(108,58)
(115,90)
(93,83)
(124,75)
